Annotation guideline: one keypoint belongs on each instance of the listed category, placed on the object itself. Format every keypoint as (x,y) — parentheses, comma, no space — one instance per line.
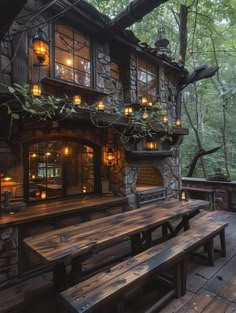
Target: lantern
(145,115)
(77,100)
(40,45)
(84,189)
(184,195)
(178,122)
(151,144)
(43,195)
(36,90)
(109,156)
(128,110)
(100,106)
(144,100)
(164,119)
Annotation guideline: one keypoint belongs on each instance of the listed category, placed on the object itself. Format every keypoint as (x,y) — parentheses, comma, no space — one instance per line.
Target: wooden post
(222,243)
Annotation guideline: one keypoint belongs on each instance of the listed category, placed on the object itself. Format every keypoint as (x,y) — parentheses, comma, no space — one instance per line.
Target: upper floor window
(147,78)
(72,56)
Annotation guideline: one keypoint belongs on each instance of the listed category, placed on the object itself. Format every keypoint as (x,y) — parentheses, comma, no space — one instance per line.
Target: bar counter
(61,207)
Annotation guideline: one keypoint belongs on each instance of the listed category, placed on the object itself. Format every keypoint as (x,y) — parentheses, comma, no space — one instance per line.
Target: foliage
(211,40)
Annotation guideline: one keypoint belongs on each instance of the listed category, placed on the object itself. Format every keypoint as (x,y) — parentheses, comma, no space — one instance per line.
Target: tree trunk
(183,32)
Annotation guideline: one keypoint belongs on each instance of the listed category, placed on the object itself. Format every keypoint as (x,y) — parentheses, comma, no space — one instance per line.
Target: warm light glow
(100,106)
(11,213)
(84,189)
(144,100)
(184,195)
(69,61)
(178,122)
(40,49)
(47,153)
(66,150)
(151,145)
(109,156)
(33,155)
(37,194)
(164,119)
(145,115)
(128,110)
(36,90)
(150,103)
(33,176)
(43,195)
(7,178)
(77,100)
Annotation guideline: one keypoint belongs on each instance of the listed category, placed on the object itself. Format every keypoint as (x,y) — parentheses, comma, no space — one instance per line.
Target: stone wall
(8,254)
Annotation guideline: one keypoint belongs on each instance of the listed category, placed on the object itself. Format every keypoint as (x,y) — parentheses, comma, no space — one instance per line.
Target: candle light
(184,195)
(145,115)
(84,189)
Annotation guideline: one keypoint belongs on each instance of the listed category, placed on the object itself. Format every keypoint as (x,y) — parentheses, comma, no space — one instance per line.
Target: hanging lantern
(178,122)
(144,100)
(128,110)
(145,115)
(77,100)
(36,90)
(40,45)
(164,119)
(151,144)
(109,156)
(100,106)
(184,195)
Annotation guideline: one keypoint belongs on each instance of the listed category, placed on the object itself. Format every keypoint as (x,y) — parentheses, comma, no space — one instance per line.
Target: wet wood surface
(60,207)
(90,293)
(76,240)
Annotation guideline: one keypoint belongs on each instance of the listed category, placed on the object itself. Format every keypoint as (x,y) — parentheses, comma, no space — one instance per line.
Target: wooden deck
(210,289)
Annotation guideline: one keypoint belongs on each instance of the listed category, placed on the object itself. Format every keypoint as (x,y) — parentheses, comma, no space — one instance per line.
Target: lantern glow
(40,45)
(36,90)
(77,100)
(100,106)
(178,122)
(128,110)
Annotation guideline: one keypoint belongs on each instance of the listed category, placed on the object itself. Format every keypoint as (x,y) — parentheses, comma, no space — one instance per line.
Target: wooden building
(97,153)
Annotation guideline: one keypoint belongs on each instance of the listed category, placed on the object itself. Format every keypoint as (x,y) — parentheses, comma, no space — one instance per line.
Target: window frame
(74,69)
(64,194)
(156,75)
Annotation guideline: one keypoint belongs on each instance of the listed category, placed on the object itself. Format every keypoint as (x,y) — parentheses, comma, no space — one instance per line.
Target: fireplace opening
(148,178)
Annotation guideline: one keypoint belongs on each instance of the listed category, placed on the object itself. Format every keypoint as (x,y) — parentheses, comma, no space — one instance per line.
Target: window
(54,173)
(147,78)
(72,56)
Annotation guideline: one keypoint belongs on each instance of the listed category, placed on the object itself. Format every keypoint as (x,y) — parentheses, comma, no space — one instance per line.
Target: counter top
(60,207)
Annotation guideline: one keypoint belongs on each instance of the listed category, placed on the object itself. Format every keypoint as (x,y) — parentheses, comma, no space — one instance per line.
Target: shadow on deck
(210,289)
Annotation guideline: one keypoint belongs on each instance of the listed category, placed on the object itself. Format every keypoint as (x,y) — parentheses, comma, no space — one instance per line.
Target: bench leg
(184,273)
(120,308)
(60,277)
(164,230)
(210,252)
(135,243)
(76,270)
(222,243)
(177,280)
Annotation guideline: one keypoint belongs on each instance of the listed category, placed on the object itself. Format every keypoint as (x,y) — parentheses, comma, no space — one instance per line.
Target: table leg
(76,270)
(135,243)
(60,277)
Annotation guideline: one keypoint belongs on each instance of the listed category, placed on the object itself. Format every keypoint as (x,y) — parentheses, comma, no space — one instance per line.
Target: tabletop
(73,241)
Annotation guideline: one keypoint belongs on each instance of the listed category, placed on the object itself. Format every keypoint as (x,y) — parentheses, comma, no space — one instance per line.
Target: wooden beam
(134,12)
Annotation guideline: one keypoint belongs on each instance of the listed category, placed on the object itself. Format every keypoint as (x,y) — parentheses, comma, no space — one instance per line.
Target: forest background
(202,32)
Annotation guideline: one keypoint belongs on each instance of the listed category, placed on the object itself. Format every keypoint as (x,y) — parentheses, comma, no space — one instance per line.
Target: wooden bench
(112,284)
(210,194)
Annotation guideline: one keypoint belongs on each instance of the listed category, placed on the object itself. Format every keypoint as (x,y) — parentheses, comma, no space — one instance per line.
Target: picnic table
(78,242)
